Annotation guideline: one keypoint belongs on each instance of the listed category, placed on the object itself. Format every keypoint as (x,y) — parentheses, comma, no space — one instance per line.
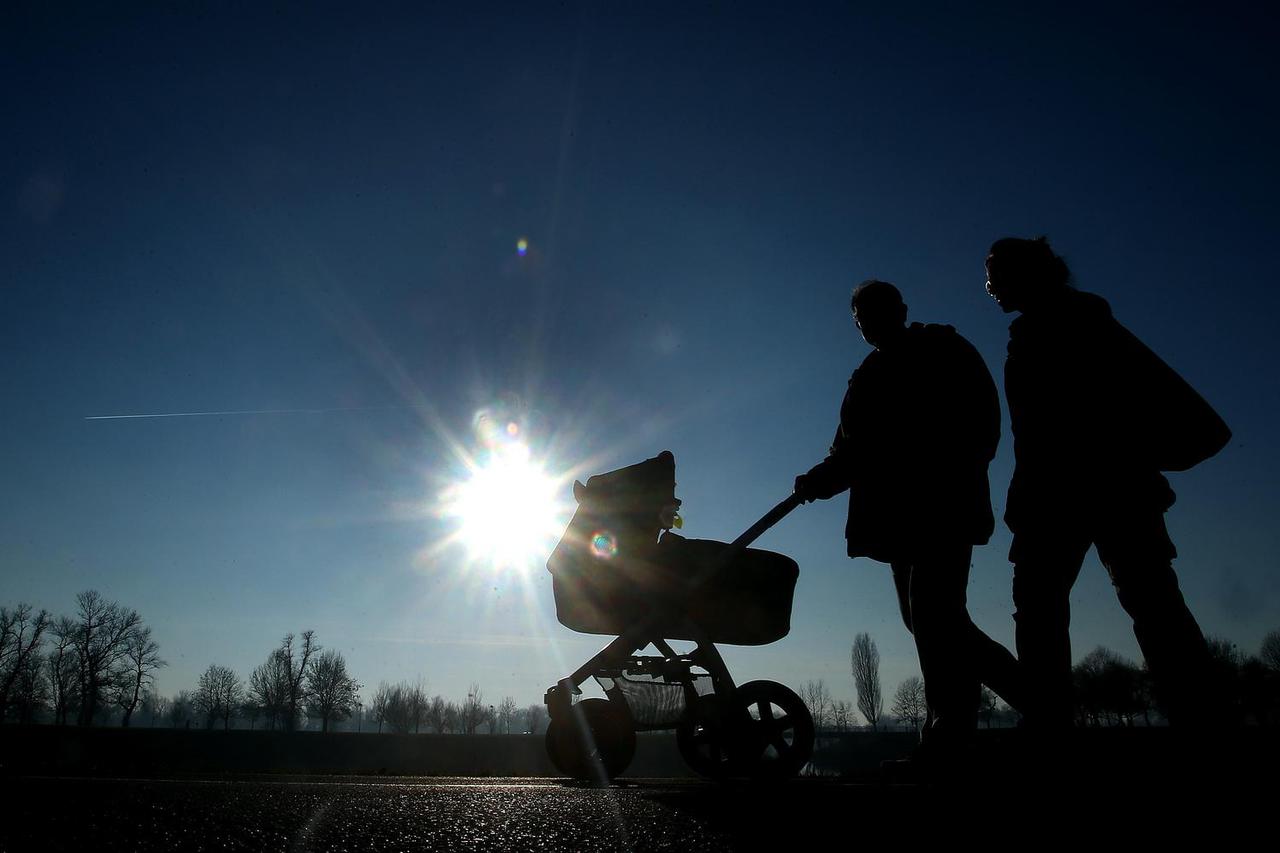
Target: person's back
(1071,394)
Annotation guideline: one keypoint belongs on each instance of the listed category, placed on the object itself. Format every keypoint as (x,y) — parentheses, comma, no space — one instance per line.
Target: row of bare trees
(829,714)
(1111,690)
(80,667)
(405,708)
(838,715)
(298,680)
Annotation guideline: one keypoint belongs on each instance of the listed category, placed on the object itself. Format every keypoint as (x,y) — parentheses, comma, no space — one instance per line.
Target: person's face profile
(874,321)
(1002,285)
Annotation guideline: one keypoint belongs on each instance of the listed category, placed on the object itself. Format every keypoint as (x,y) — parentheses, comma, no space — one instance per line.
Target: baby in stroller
(619,570)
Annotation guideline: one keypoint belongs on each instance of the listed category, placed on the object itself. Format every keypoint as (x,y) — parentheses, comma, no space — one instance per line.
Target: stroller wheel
(703,739)
(774,740)
(595,741)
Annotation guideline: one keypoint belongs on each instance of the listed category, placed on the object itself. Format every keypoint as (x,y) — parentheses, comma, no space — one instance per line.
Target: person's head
(1022,272)
(879,312)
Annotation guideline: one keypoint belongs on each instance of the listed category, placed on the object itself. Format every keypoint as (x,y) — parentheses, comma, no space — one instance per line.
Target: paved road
(374,813)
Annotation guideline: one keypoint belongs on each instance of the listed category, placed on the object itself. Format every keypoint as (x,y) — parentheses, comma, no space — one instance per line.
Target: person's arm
(830,477)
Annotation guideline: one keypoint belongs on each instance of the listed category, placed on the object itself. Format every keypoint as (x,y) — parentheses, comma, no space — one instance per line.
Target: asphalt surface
(377,813)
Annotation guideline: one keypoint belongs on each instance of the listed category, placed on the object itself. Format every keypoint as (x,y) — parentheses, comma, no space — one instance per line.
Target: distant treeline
(98,666)
(1241,689)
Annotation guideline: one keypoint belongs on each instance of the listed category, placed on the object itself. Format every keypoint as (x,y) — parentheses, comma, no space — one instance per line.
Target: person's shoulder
(1086,304)
(939,336)
(1068,310)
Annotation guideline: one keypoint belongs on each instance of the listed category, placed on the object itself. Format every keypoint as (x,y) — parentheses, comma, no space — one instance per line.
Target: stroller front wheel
(703,738)
(595,741)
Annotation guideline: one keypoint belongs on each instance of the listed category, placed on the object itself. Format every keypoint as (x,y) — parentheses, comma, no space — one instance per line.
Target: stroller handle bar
(769,519)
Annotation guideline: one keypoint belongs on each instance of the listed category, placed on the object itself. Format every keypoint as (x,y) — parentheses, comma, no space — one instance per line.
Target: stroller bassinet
(610,569)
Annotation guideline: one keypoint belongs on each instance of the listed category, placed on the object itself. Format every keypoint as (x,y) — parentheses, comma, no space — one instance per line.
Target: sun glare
(506,510)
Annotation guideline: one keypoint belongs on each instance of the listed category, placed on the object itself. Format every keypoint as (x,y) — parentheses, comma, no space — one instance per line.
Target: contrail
(238,412)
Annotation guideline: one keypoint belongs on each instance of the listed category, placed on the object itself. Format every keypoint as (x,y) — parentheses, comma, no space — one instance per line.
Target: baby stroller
(619,570)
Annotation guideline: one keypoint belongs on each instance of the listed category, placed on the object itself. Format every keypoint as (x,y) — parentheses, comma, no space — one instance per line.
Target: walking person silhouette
(918,427)
(1096,417)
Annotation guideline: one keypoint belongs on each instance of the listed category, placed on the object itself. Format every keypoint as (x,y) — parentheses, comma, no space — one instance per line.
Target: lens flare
(604,544)
(522,247)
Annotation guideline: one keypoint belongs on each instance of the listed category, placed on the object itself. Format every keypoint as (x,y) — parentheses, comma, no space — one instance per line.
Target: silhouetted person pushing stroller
(1096,417)
(918,427)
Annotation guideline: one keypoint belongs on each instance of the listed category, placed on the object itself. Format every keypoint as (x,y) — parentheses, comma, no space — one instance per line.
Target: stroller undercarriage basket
(654,702)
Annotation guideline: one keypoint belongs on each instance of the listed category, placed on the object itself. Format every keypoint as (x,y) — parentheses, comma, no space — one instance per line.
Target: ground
(273,813)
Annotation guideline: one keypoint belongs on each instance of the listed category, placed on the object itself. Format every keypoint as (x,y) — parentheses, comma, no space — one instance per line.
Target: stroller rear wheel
(774,739)
(595,741)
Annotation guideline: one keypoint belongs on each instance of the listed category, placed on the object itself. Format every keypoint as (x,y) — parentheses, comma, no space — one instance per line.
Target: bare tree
(21,635)
(208,697)
(1270,651)
(399,709)
(842,715)
(30,695)
(180,709)
(452,717)
(331,691)
(909,706)
(60,666)
(473,713)
(535,718)
(1109,690)
(154,706)
(219,693)
(436,717)
(381,704)
(251,711)
(102,631)
(269,688)
(866,678)
(506,714)
(416,705)
(818,699)
(140,661)
(297,664)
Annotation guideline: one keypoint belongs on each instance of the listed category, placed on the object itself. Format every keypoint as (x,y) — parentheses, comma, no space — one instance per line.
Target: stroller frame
(760,729)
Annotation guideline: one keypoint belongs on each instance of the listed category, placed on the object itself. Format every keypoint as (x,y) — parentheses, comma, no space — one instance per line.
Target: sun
(506,510)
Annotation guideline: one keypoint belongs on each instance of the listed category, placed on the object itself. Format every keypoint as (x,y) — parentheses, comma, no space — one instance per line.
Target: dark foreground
(526,814)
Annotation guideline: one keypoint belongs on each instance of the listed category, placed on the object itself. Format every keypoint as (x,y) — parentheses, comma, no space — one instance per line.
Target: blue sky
(317,207)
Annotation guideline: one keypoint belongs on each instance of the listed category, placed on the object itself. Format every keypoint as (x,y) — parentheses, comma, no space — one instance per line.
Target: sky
(318,207)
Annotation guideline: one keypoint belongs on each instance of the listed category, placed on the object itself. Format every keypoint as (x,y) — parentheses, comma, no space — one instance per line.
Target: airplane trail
(239,412)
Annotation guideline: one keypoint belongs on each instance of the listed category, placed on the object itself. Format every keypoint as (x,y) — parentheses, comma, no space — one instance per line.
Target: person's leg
(1046,563)
(996,667)
(1138,554)
(944,635)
